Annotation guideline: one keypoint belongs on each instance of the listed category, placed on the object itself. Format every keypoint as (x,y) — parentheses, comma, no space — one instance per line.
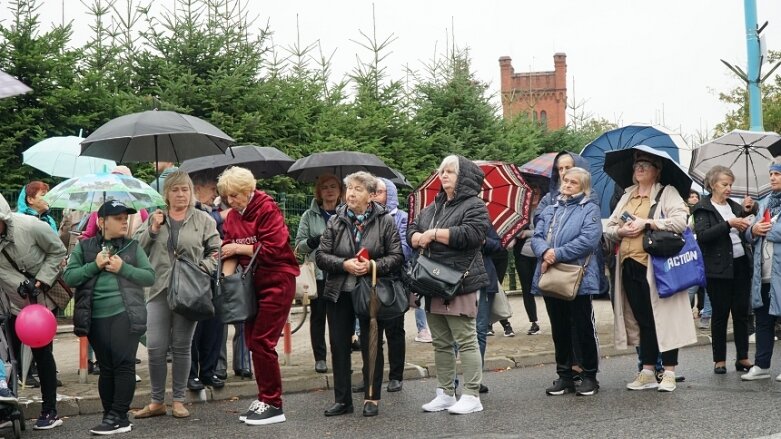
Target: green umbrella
(88,192)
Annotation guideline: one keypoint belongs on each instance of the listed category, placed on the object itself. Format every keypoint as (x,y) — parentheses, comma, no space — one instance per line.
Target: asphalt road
(704,406)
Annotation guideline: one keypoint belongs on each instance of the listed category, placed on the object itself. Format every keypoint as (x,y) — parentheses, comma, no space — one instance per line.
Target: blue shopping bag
(680,272)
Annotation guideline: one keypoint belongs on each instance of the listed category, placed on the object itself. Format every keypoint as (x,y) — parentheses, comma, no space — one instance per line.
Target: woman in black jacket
(359,224)
(452,231)
(719,223)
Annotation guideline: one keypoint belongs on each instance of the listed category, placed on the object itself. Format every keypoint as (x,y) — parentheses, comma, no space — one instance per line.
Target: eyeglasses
(643,165)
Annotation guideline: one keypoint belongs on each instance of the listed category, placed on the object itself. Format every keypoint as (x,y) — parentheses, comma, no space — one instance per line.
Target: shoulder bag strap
(653,208)
(251,265)
(13,264)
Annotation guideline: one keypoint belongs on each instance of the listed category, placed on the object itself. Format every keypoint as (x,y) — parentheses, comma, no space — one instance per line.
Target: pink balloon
(35,326)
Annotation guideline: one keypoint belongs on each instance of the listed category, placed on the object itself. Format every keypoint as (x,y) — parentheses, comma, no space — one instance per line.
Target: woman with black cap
(109,272)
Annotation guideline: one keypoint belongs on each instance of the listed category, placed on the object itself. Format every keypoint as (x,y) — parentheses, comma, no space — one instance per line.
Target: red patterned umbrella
(507,197)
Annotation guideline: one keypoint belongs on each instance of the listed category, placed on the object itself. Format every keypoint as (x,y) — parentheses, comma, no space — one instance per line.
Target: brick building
(541,95)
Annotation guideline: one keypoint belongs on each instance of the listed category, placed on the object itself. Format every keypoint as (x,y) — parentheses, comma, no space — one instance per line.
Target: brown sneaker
(179,411)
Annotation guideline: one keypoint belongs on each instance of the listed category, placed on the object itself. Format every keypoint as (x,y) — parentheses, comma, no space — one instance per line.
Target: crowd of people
(120,260)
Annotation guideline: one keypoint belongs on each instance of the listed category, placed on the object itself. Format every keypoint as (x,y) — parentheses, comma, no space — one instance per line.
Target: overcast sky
(631,61)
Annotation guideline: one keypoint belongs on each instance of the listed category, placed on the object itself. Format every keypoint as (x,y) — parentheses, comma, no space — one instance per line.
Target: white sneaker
(467,404)
(441,402)
(668,382)
(644,379)
(778,378)
(752,338)
(424,336)
(755,373)
(138,379)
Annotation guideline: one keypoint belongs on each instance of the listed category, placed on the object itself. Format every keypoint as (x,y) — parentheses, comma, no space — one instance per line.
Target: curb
(74,406)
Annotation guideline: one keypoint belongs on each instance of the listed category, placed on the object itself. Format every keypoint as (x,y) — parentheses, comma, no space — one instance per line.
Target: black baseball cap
(114,207)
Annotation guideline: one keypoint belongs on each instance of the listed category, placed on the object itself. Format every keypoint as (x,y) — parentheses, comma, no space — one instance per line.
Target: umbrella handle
(374,272)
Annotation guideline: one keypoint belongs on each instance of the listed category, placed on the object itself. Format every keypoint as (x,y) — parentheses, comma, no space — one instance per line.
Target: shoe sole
(755,378)
(644,387)
(118,430)
(393,390)
(590,393)
(665,389)
(56,423)
(560,392)
(533,333)
(272,420)
(436,409)
(422,341)
(509,335)
(473,410)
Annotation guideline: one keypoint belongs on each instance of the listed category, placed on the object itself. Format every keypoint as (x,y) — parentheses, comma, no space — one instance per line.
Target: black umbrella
(154,136)
(263,161)
(618,166)
(400,179)
(339,163)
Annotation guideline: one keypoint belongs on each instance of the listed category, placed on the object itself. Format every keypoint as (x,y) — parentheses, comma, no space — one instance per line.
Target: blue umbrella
(656,137)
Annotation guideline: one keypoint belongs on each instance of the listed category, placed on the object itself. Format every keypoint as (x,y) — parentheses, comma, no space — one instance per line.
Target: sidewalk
(299,376)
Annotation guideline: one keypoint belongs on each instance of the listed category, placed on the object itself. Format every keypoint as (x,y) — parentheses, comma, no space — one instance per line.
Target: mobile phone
(363,254)
(626,217)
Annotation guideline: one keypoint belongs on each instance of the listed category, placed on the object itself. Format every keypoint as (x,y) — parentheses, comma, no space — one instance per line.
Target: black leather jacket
(713,237)
(466,217)
(337,245)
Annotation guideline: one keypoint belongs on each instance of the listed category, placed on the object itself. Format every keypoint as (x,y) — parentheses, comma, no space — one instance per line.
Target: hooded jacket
(555,183)
(34,248)
(400,217)
(22,207)
(311,224)
(262,225)
(575,235)
(337,245)
(466,218)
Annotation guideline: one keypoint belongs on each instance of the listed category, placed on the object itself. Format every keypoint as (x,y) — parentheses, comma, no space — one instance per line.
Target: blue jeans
(420,319)
(765,332)
(707,310)
(483,319)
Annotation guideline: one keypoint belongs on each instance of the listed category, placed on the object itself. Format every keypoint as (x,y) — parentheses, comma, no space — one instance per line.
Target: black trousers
(47,368)
(115,349)
(205,348)
(397,347)
(567,318)
(341,327)
(379,363)
(731,296)
(317,323)
(638,294)
(525,266)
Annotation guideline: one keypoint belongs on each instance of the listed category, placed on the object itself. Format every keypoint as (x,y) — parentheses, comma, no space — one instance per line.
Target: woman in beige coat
(641,317)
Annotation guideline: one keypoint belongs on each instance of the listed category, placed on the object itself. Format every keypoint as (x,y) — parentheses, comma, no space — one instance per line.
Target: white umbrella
(59,157)
(747,153)
(10,86)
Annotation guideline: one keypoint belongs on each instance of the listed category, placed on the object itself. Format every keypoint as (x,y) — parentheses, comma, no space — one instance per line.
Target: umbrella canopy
(59,157)
(339,163)
(618,166)
(537,172)
(263,161)
(88,192)
(400,179)
(747,153)
(507,197)
(656,137)
(155,136)
(10,86)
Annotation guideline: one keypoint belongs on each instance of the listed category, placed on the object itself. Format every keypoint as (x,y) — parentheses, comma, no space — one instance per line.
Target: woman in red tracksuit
(256,221)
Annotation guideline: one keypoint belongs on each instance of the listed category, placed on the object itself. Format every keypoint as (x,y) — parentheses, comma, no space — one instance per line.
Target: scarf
(359,223)
(774,203)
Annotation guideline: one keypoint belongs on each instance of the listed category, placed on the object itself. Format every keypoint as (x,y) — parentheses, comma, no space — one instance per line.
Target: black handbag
(661,242)
(189,290)
(429,278)
(234,295)
(393,299)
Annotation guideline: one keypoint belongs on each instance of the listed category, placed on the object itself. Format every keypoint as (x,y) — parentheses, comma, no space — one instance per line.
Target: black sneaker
(588,386)
(534,329)
(112,425)
(6,394)
(560,387)
(47,421)
(483,388)
(490,332)
(508,331)
(255,406)
(266,414)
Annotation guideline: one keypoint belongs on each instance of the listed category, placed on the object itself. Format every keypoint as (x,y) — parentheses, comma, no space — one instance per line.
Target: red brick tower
(540,95)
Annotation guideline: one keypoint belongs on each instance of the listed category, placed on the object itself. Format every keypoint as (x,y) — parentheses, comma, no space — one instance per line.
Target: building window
(544,119)
(534,116)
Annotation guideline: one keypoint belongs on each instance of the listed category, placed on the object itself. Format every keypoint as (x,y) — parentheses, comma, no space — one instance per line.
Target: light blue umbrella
(59,157)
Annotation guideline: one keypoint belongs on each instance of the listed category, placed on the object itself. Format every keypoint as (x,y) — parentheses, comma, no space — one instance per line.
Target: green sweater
(106,299)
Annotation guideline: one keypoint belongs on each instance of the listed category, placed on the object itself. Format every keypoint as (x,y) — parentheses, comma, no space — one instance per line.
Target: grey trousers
(164,327)
(241,355)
